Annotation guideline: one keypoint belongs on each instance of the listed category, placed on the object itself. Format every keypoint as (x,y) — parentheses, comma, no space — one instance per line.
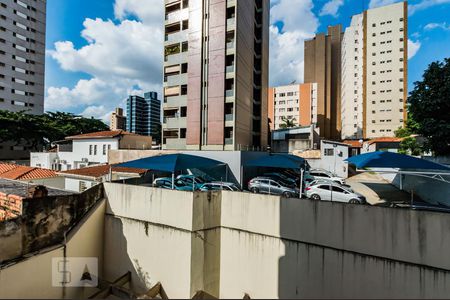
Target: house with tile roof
(31,175)
(79,180)
(390,144)
(90,149)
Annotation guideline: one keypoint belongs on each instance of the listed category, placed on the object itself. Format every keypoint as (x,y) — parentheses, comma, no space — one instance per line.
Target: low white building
(332,157)
(80,180)
(84,150)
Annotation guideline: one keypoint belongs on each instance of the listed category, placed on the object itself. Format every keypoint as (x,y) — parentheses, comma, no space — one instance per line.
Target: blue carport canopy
(281,161)
(173,163)
(384,159)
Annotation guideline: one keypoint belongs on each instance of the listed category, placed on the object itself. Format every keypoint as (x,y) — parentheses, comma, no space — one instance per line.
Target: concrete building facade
(297,102)
(118,120)
(22,55)
(216,74)
(323,66)
(374,104)
(144,115)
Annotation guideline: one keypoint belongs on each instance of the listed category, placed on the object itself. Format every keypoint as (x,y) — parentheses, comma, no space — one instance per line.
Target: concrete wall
(32,277)
(43,223)
(54,182)
(229,244)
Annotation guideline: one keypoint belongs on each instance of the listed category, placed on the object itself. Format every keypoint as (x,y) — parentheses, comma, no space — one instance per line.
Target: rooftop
(353,143)
(100,135)
(385,140)
(11,187)
(18,172)
(99,171)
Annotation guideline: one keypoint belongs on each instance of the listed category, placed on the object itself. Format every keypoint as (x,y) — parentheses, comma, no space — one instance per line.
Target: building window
(83,186)
(95,149)
(329,152)
(104,149)
(90,149)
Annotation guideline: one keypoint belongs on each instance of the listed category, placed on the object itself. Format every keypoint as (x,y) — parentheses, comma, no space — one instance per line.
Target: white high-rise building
(374,73)
(352,80)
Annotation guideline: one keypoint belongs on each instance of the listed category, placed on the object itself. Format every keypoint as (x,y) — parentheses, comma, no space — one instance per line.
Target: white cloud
(378,3)
(121,57)
(331,8)
(287,44)
(432,26)
(413,48)
(424,4)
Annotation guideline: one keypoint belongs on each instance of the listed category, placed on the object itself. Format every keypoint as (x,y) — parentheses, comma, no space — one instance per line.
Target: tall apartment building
(297,102)
(22,55)
(118,120)
(323,66)
(216,74)
(374,71)
(144,115)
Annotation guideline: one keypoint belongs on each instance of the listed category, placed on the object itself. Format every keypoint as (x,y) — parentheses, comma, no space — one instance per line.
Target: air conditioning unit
(85,160)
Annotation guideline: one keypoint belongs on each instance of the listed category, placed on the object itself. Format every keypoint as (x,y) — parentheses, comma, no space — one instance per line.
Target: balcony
(177,16)
(174,59)
(229,118)
(229,141)
(230,69)
(174,122)
(175,144)
(177,37)
(231,24)
(175,101)
(229,93)
(176,80)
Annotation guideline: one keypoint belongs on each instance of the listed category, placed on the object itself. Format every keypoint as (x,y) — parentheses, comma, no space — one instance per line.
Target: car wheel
(354,201)
(287,195)
(254,190)
(315,197)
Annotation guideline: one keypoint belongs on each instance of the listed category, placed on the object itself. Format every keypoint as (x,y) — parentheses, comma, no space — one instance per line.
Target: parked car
(327,175)
(166,183)
(192,180)
(219,186)
(327,181)
(335,193)
(265,185)
(283,179)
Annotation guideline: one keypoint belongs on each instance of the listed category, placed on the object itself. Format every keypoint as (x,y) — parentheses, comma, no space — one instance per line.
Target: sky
(99,52)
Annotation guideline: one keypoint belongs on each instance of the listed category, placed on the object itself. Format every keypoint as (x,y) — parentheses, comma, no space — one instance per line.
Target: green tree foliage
(287,123)
(20,127)
(429,107)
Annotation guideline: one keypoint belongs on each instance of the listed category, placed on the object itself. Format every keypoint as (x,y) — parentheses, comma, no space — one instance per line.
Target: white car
(335,193)
(318,174)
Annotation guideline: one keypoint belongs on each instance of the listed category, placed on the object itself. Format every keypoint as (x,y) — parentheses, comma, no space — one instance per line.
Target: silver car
(264,185)
(320,174)
(335,193)
(219,186)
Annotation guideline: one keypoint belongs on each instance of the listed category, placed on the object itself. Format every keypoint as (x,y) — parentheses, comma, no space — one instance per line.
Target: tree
(287,123)
(41,130)
(429,107)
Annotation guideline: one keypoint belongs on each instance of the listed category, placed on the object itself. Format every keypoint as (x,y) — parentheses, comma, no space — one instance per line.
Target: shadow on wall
(323,263)
(140,279)
(427,189)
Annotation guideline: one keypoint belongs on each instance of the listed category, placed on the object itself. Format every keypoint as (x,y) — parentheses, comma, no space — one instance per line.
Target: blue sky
(100,51)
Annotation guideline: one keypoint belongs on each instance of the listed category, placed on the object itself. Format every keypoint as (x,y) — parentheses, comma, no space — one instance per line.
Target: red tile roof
(102,170)
(99,135)
(7,167)
(17,172)
(353,144)
(385,140)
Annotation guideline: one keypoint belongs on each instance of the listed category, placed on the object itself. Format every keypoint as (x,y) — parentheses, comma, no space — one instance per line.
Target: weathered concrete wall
(31,277)
(153,233)
(229,244)
(43,222)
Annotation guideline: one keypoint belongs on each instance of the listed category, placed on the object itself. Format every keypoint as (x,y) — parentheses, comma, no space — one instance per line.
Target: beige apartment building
(118,120)
(374,73)
(323,66)
(216,74)
(297,102)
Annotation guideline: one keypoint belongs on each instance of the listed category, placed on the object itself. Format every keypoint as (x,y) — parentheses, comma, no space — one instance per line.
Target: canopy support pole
(401,182)
(173,181)
(301,183)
